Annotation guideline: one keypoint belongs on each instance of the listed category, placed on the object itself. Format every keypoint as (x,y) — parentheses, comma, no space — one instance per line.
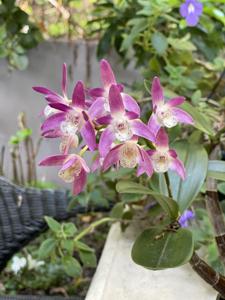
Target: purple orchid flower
(101,95)
(53,97)
(191,10)
(121,126)
(163,158)
(73,169)
(185,217)
(166,114)
(72,119)
(129,155)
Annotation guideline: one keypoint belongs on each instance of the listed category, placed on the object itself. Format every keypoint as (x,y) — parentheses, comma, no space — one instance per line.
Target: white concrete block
(119,278)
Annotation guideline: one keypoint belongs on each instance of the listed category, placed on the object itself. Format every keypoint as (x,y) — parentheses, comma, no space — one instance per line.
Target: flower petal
(106,139)
(53,121)
(96,110)
(64,79)
(115,101)
(107,75)
(111,158)
(156,92)
(178,166)
(56,160)
(184,10)
(162,139)
(176,101)
(104,120)
(145,164)
(140,129)
(78,98)
(53,133)
(130,104)
(192,19)
(79,182)
(44,90)
(84,164)
(153,124)
(60,106)
(96,92)
(88,134)
(182,116)
(54,98)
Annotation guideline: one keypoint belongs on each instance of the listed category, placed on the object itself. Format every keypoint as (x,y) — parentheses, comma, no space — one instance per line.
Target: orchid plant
(107,122)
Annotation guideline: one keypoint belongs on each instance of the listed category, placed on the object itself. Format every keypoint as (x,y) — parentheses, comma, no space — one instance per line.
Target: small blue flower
(186,216)
(191,10)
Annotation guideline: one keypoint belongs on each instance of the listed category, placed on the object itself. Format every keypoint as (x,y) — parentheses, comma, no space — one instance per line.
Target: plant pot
(118,277)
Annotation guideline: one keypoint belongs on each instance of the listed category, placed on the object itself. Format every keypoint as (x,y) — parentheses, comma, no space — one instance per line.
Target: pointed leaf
(168,204)
(195,160)
(216,169)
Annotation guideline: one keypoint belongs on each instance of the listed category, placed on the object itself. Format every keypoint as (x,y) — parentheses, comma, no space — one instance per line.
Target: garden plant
(174,167)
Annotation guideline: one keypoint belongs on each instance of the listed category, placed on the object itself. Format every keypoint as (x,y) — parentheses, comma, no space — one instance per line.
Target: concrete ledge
(119,278)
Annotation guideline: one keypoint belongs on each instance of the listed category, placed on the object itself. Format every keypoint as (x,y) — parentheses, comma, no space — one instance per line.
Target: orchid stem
(168,185)
(83,150)
(92,226)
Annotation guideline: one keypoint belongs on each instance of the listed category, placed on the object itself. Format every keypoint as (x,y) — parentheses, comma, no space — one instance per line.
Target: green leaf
(68,245)
(88,259)
(182,44)
(47,248)
(221,188)
(195,160)
(72,266)
(168,204)
(157,250)
(216,169)
(159,42)
(201,122)
(19,61)
(53,224)
(117,211)
(69,229)
(83,247)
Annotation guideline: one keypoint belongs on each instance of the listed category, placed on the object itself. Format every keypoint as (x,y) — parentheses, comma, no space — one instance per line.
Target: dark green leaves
(159,42)
(216,169)
(47,247)
(71,266)
(195,159)
(201,122)
(168,204)
(156,249)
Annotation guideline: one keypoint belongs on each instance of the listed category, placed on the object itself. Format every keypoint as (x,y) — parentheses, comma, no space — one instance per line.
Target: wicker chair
(22,212)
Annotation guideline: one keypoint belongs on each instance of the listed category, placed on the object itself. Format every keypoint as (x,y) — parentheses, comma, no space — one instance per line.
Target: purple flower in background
(186,216)
(191,10)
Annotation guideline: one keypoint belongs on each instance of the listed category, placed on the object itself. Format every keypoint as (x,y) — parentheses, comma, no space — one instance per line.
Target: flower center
(128,155)
(72,171)
(122,130)
(160,161)
(72,123)
(191,8)
(67,142)
(165,116)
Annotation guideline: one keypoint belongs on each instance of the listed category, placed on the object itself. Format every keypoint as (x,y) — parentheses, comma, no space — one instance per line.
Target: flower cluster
(108,115)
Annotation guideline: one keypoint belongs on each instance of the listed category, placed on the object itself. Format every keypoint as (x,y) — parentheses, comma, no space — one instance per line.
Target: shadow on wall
(16,92)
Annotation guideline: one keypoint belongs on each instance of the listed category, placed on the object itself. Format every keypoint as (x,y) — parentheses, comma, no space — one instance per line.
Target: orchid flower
(73,169)
(70,121)
(163,158)
(191,10)
(53,97)
(101,95)
(121,126)
(166,114)
(129,155)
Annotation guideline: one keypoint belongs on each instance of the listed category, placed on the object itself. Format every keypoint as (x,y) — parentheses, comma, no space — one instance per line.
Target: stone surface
(119,278)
